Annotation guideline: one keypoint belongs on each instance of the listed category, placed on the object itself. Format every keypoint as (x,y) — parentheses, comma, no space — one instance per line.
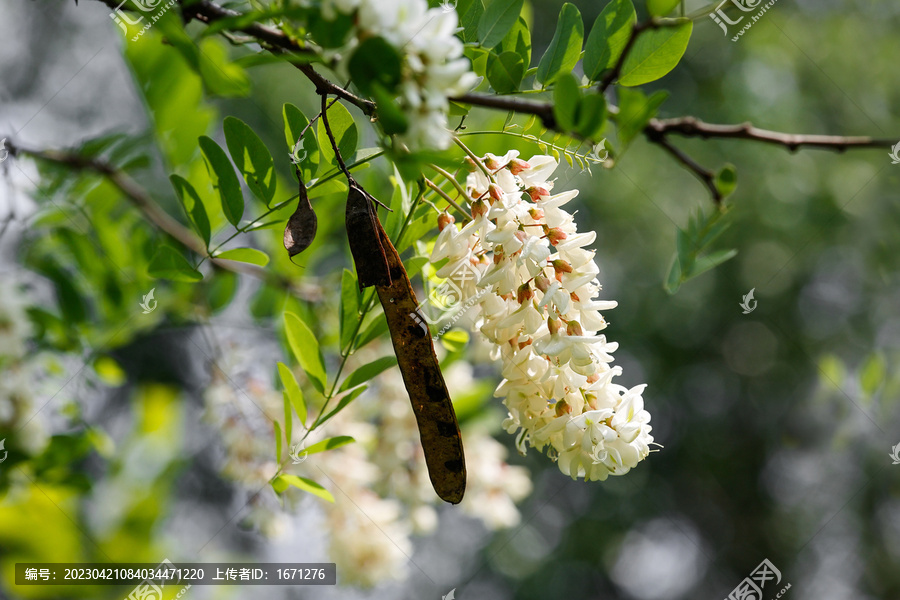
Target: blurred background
(135,437)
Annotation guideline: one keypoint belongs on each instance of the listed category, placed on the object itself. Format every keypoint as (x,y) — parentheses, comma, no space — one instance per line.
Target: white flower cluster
(543,316)
(433,69)
(380,483)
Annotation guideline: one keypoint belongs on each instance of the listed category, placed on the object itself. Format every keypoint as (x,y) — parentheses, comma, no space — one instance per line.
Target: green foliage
(582,115)
(368,371)
(505,71)
(375,61)
(608,37)
(283,482)
(193,206)
(295,123)
(251,157)
(247,255)
(292,392)
(497,20)
(305,346)
(660,8)
(692,257)
(656,52)
(565,48)
(345,134)
(330,444)
(223,179)
(168,263)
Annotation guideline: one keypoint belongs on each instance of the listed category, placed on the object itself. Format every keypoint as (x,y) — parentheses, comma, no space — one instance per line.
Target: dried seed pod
(365,243)
(301,227)
(436,419)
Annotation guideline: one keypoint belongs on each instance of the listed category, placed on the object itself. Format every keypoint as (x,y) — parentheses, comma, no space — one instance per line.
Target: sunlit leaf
(305,348)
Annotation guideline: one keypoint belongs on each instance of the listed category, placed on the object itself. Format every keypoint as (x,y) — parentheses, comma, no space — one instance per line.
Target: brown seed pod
(436,419)
(365,243)
(301,227)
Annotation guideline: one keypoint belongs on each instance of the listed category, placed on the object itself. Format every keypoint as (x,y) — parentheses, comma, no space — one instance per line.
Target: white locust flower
(433,64)
(542,313)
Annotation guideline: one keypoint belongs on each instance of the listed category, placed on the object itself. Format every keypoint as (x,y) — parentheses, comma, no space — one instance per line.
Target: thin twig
(446,197)
(337,151)
(156,215)
(703,174)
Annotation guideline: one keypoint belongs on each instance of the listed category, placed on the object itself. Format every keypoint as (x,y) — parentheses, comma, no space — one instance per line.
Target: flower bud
(470,165)
(496,192)
(542,283)
(517,165)
(561,266)
(574,328)
(536,213)
(553,325)
(525,293)
(556,235)
(536,192)
(563,408)
(445,219)
(479,208)
(593,378)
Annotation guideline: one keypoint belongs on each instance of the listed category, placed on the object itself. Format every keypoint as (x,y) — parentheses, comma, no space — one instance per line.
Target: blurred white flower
(543,316)
(433,64)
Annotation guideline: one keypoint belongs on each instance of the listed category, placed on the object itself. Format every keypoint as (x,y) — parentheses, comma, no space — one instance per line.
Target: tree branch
(703,174)
(693,127)
(156,215)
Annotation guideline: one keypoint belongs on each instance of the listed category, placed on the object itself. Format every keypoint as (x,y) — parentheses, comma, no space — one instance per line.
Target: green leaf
(288,421)
(330,444)
(345,134)
(193,206)
(565,47)
(375,329)
(330,33)
(469,12)
(247,255)
(277,441)
(656,52)
(497,20)
(505,72)
(306,350)
(375,60)
(223,179)
(368,371)
(707,262)
(660,8)
(591,116)
(566,98)
(673,281)
(391,117)
(295,122)
(349,306)
(252,158)
(346,399)
(608,38)
(635,111)
(283,482)
(518,40)
(726,180)
(292,391)
(872,374)
(455,340)
(168,263)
